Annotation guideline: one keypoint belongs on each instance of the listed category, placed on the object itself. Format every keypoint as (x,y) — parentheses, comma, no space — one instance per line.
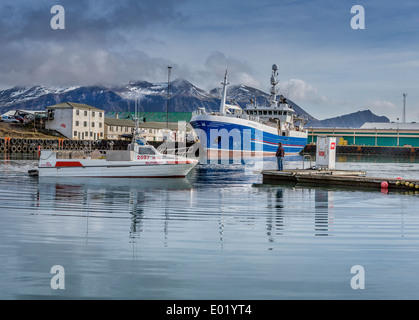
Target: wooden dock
(337,178)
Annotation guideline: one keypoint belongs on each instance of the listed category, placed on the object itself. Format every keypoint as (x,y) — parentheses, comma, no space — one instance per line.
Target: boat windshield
(146,150)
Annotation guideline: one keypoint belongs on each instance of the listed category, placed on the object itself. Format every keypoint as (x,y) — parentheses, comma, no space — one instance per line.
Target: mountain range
(152,97)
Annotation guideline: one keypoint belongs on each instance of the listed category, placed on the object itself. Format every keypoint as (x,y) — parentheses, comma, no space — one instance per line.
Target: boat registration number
(144,157)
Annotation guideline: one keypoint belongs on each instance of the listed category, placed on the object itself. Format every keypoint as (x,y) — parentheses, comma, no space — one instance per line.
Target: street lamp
(168,97)
(404,107)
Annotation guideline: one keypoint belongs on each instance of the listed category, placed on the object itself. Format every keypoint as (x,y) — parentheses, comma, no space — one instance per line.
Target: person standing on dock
(280,153)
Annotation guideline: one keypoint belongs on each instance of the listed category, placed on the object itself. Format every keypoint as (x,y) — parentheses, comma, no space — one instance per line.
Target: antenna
(229,55)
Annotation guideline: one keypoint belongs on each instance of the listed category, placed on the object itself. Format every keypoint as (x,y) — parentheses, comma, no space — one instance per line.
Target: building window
(85,113)
(100,124)
(86,134)
(101,134)
(93,124)
(77,112)
(91,134)
(110,128)
(75,133)
(100,114)
(77,123)
(93,113)
(85,123)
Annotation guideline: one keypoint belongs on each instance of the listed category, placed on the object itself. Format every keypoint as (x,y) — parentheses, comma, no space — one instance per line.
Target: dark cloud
(95,20)
(101,42)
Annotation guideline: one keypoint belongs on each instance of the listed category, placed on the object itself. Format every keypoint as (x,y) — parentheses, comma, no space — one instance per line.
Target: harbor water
(217,234)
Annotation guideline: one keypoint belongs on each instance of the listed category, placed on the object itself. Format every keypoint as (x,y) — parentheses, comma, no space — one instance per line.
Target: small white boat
(140,160)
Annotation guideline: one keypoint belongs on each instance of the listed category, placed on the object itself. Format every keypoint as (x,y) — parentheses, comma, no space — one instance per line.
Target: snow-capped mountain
(184,97)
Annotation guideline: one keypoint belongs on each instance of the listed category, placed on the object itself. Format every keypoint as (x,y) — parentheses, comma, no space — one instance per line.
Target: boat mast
(223,97)
(274,82)
(135,118)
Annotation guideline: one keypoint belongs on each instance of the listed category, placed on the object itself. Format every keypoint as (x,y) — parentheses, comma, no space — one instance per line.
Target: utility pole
(168,97)
(404,107)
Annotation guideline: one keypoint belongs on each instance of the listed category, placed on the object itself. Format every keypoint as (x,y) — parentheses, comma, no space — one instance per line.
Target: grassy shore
(15,130)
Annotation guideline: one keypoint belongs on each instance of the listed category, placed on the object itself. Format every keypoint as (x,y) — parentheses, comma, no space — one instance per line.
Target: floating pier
(337,177)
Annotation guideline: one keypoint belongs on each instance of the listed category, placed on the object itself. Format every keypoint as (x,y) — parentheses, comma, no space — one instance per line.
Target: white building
(76,121)
(391,125)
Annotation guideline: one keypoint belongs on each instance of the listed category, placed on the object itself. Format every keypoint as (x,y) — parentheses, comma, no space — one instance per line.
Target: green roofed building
(153,125)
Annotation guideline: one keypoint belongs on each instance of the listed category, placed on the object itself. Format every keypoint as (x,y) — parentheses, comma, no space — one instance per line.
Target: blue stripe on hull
(230,136)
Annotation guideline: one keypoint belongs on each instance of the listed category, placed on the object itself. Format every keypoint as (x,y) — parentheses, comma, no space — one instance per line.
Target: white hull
(124,170)
(141,166)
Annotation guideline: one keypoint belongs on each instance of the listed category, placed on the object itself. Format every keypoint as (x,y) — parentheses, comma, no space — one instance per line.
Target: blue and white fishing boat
(252,132)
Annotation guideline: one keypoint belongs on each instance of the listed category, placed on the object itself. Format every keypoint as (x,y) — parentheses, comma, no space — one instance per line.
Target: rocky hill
(352,120)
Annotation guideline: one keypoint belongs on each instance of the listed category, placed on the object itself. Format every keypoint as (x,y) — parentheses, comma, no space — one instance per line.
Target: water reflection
(323,202)
(291,204)
(108,198)
(219,228)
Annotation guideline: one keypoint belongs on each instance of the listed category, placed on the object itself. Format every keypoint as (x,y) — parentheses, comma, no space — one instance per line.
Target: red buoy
(384,185)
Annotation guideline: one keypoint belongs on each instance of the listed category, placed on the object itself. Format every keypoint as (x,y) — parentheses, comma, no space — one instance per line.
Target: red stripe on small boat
(68,164)
(178,162)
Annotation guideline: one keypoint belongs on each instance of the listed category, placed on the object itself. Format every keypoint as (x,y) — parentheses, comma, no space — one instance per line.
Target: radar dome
(275,67)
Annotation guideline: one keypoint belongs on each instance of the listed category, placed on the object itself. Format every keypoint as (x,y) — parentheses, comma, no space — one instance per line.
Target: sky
(325,66)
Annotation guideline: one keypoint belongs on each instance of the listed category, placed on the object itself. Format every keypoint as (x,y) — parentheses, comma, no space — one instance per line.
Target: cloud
(239,72)
(70,64)
(85,20)
(300,91)
(382,107)
(101,42)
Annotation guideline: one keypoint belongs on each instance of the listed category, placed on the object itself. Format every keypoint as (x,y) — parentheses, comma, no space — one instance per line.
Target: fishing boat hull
(225,137)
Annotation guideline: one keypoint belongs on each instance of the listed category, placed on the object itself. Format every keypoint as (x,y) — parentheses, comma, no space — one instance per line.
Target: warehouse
(371,134)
